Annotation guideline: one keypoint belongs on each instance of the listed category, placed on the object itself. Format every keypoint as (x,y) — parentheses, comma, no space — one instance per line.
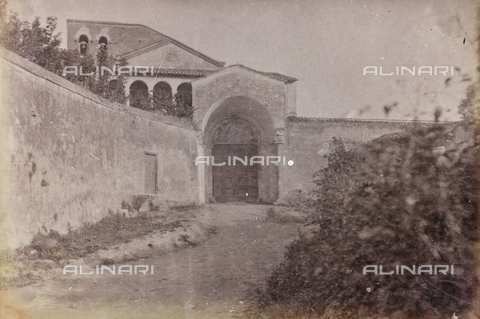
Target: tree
(36,44)
(466,107)
(41,45)
(161,101)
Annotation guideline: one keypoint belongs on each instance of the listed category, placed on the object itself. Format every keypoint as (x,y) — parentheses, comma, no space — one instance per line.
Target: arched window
(103,42)
(139,96)
(83,41)
(183,100)
(162,97)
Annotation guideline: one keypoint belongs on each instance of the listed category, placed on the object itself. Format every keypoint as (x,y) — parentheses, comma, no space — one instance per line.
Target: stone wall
(307,141)
(237,81)
(69,156)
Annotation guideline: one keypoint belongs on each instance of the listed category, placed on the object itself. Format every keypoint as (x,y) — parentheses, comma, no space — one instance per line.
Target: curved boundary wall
(69,157)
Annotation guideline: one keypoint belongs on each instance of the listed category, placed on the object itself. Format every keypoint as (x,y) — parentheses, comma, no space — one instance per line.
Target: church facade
(238,112)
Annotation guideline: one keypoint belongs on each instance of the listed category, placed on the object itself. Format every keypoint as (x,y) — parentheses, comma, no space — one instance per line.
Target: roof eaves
(199,54)
(116,23)
(146,49)
(183,72)
(273,75)
(293,118)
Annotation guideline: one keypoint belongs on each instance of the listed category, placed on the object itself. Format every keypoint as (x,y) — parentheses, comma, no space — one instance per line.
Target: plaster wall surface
(171,56)
(211,91)
(305,138)
(69,157)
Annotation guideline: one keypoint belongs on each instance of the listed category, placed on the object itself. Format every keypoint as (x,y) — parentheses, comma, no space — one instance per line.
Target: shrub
(394,201)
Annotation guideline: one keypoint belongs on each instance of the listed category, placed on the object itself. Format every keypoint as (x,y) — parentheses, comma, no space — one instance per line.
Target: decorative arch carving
(103,33)
(83,30)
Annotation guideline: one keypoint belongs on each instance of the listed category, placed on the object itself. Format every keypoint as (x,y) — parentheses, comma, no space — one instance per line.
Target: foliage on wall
(41,45)
(179,106)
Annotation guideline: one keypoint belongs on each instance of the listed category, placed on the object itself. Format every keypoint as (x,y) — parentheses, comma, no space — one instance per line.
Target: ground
(212,279)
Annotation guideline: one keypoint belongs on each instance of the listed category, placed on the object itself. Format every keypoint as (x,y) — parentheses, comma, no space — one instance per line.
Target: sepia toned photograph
(311,159)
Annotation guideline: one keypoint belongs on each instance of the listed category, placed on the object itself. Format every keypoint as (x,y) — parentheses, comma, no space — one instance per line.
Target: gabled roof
(166,41)
(152,39)
(272,75)
(114,23)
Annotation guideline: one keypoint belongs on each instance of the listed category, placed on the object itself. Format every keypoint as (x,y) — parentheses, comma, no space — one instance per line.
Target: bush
(394,201)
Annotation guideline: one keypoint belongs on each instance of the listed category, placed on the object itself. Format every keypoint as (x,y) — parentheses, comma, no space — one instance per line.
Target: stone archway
(235,131)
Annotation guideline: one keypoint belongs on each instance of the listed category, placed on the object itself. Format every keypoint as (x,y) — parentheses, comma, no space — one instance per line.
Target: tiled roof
(183,72)
(276,76)
(281,77)
(273,75)
(328,119)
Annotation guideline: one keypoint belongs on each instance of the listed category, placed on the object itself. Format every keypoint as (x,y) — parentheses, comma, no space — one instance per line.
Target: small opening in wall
(150,173)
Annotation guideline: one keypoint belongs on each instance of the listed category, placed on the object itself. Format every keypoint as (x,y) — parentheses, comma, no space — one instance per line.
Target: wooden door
(235,183)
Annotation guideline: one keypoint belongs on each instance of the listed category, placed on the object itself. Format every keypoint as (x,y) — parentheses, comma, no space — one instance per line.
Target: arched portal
(237,130)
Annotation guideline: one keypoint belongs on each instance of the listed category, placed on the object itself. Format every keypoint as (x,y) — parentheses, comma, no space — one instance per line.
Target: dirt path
(211,280)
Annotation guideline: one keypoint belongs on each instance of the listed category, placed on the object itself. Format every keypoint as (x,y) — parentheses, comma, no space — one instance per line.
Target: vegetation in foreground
(90,238)
(48,251)
(394,201)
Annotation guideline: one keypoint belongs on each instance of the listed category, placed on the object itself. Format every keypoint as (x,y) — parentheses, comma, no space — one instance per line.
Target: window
(150,173)
(83,40)
(103,42)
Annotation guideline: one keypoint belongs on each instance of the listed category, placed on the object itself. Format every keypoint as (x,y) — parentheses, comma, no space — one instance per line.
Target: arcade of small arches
(152,96)
(160,96)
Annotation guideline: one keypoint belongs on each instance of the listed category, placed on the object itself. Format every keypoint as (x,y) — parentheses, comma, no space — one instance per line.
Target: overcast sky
(325,44)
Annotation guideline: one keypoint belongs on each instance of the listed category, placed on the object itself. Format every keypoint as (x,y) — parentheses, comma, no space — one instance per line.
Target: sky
(325,44)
